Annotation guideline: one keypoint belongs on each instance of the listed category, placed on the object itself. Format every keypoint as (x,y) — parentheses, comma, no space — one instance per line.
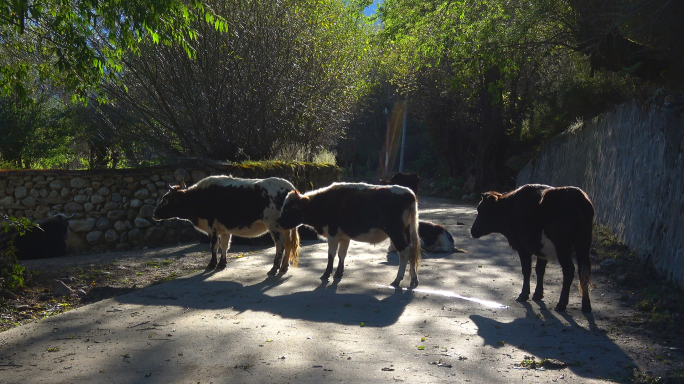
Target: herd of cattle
(550,223)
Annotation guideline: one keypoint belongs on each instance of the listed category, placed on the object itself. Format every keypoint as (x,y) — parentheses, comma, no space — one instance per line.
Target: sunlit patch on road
(486,303)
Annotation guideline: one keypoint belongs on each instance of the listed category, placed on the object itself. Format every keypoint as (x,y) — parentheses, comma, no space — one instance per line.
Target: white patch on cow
(393,188)
(203,225)
(443,244)
(548,250)
(257,228)
(373,236)
(399,190)
(223,180)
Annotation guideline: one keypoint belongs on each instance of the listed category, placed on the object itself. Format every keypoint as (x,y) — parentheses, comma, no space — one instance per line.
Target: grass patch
(659,303)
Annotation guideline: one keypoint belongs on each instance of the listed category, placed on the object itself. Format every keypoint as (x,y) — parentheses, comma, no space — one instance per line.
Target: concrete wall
(631,163)
(113,208)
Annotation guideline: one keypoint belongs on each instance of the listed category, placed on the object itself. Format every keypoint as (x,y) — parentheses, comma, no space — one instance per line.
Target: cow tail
(415,238)
(584,266)
(292,247)
(583,247)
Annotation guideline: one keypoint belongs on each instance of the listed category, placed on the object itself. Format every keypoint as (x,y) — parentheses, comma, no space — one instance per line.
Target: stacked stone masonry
(631,163)
(113,209)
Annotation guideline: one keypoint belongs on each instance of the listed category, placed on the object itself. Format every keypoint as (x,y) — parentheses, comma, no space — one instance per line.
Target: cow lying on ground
(47,239)
(550,223)
(360,212)
(409,180)
(434,238)
(223,206)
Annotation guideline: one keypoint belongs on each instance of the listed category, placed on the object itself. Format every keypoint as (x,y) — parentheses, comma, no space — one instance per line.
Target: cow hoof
(272,272)
(560,308)
(537,297)
(337,276)
(586,308)
(522,298)
(414,282)
(396,283)
(221,266)
(325,277)
(211,267)
(283,270)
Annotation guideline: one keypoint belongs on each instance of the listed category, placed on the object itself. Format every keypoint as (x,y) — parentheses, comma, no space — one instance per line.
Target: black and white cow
(361,212)
(550,223)
(47,239)
(223,206)
(434,238)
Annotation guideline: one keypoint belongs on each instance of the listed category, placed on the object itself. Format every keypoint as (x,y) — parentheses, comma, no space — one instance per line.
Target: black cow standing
(550,223)
(223,206)
(46,240)
(361,212)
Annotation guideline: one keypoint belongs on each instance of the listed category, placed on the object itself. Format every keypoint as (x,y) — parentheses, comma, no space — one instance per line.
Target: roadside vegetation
(658,304)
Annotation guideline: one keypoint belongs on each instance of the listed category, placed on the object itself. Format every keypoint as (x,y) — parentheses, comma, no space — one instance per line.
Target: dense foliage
(493,79)
(78,43)
(284,72)
(488,81)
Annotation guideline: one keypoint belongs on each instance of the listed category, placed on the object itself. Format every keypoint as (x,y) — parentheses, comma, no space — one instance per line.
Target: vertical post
(403,137)
(387,145)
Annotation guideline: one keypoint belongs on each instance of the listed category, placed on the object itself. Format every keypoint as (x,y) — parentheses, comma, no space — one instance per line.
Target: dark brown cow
(360,212)
(550,223)
(222,206)
(409,180)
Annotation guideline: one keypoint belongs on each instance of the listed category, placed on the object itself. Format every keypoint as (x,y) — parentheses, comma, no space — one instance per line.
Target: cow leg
(584,269)
(404,249)
(414,268)
(565,260)
(280,249)
(332,250)
(225,245)
(526,263)
(540,268)
(213,242)
(341,254)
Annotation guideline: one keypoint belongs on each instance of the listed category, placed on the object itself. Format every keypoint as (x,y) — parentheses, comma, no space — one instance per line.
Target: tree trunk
(489,165)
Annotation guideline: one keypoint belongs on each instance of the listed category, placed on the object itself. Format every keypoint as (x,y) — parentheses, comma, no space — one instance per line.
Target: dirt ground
(655,328)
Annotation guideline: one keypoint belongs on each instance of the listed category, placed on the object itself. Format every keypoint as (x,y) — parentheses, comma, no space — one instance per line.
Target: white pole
(387,145)
(403,137)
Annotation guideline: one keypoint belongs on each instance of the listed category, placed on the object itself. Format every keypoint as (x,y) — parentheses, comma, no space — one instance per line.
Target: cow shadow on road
(549,334)
(322,304)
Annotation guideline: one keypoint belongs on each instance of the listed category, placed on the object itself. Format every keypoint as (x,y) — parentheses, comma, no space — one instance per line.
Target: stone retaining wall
(112,209)
(631,163)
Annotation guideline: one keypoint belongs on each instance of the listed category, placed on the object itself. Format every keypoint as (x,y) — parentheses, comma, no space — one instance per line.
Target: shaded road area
(241,326)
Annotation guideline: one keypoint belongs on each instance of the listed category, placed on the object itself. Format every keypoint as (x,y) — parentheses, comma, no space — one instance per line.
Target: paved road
(461,325)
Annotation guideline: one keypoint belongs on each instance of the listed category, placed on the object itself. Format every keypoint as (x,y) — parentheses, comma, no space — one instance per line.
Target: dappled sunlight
(460,322)
(587,351)
(486,303)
